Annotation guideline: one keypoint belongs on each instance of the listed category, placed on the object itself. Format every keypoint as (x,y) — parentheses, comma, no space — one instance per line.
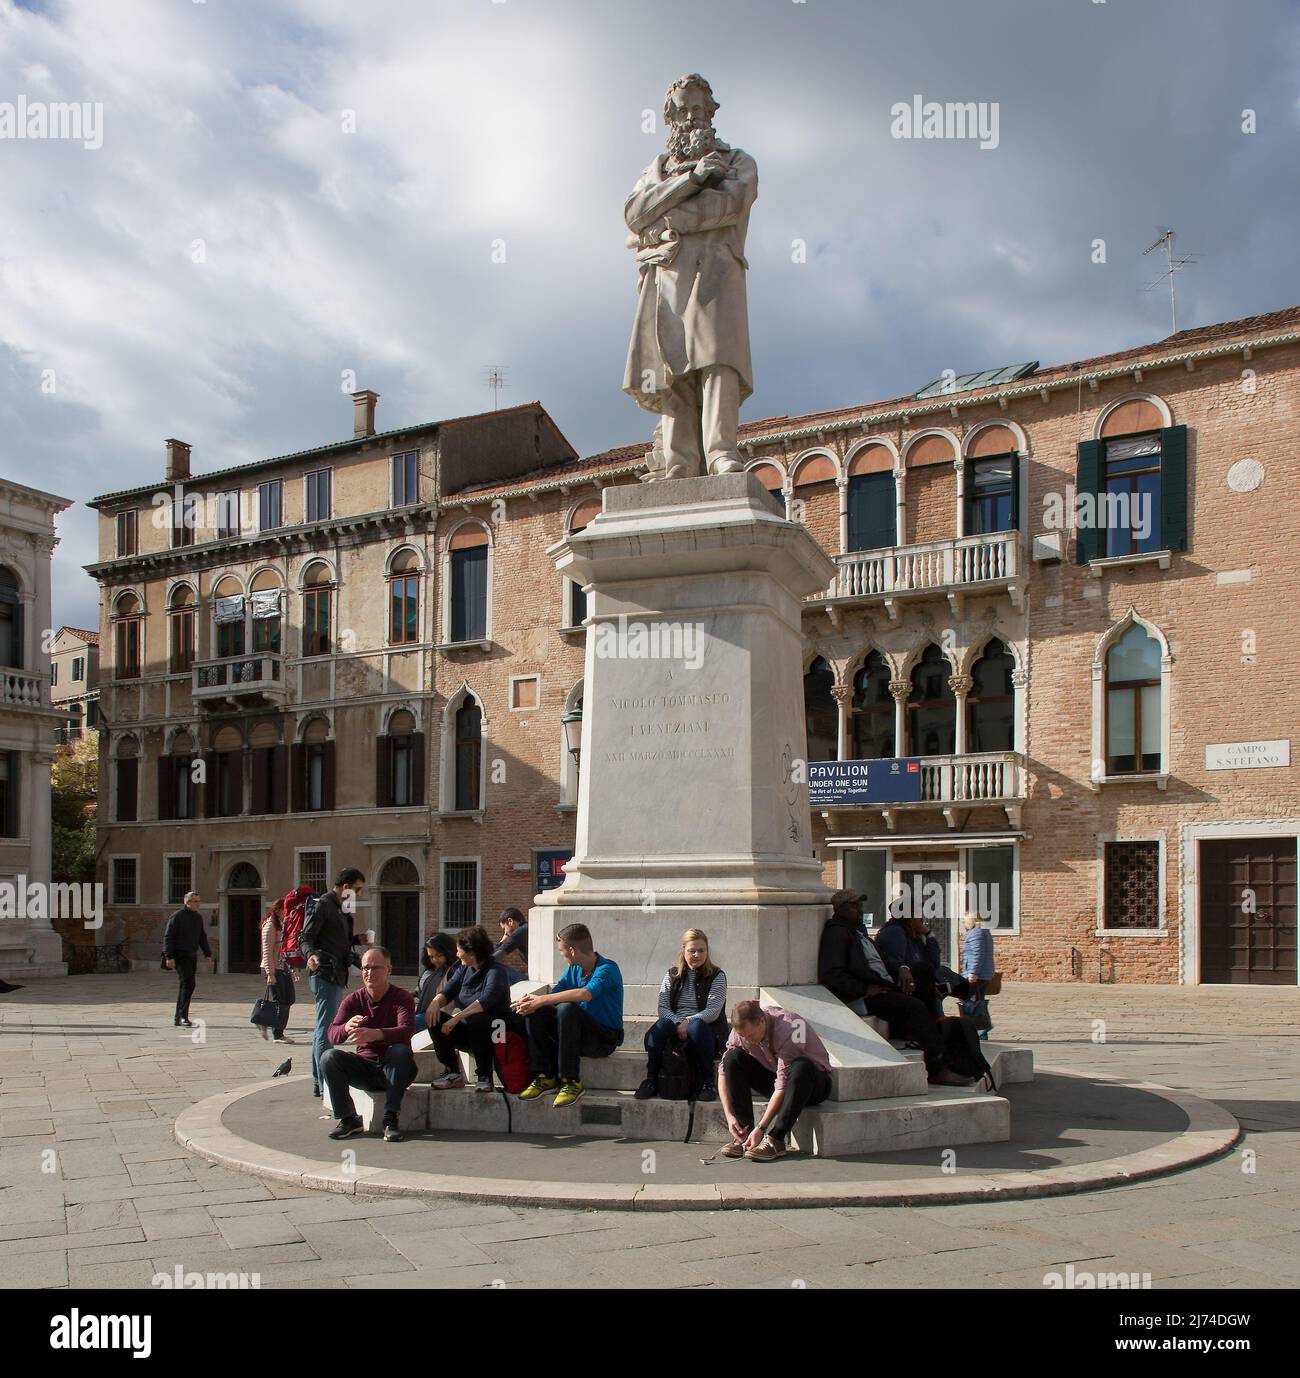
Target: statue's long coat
(691,313)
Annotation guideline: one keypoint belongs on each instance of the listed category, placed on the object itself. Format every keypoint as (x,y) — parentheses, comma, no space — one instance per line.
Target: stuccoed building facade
(1063,607)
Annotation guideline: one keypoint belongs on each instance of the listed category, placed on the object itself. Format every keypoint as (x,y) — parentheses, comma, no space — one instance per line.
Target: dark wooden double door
(1248,911)
(399,917)
(244,932)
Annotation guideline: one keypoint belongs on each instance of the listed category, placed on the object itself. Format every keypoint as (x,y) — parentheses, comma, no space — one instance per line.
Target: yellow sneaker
(569,1092)
(539,1086)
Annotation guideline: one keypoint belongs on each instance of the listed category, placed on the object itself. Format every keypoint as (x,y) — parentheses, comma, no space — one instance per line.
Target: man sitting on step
(379,1021)
(778,1054)
(582,1016)
(851,968)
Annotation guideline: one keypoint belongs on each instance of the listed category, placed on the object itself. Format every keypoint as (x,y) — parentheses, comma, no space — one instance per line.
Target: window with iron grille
(311,870)
(180,875)
(1132,885)
(124,887)
(459,893)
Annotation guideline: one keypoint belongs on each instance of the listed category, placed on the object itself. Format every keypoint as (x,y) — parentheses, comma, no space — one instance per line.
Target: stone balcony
(993,779)
(28,691)
(935,569)
(247,681)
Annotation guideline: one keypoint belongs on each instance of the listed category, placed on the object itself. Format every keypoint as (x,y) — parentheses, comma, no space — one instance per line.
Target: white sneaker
(483,1084)
(448,1081)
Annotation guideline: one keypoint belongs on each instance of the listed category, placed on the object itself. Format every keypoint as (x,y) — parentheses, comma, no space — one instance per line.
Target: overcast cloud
(325,250)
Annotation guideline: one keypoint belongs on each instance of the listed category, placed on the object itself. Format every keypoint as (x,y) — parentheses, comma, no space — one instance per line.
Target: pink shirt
(788,1036)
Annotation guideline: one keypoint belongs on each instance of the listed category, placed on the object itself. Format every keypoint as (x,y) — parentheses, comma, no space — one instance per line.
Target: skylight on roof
(949,382)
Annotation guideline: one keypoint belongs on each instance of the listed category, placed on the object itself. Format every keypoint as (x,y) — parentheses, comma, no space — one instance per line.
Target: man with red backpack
(295,913)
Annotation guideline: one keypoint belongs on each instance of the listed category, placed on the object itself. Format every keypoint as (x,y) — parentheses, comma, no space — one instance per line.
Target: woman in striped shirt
(279,979)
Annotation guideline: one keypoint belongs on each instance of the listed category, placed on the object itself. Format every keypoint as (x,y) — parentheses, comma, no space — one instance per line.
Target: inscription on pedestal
(653,736)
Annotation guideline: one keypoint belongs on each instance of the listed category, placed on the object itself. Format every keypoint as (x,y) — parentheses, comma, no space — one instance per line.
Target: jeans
(908,1017)
(562,1035)
(328,999)
(474,1035)
(187,965)
(285,995)
(392,1074)
(701,1044)
(805,1084)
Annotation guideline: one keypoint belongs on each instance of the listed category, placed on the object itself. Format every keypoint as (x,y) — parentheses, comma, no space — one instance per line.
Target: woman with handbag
(978,967)
(279,978)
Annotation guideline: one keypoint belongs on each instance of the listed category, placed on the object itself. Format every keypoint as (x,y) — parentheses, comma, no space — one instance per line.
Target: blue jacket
(977,953)
(900,950)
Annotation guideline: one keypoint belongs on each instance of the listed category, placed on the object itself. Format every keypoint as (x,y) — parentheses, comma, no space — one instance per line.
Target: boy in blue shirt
(581,1017)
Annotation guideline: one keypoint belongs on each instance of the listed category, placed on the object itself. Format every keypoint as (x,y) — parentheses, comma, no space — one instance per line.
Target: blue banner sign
(549,867)
(895,781)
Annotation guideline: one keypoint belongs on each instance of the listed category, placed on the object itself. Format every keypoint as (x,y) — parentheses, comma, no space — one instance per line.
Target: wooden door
(1248,911)
(929,892)
(243,932)
(399,916)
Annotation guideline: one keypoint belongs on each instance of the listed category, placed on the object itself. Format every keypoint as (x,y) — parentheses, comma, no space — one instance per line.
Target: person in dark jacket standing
(183,939)
(329,943)
(851,968)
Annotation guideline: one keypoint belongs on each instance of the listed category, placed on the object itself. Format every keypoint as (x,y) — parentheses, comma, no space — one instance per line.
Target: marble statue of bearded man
(688,359)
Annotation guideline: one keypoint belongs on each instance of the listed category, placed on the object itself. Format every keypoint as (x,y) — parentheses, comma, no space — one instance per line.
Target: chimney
(363,414)
(178,461)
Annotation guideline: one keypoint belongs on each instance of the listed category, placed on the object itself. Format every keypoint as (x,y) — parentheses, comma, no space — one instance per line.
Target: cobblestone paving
(94,1192)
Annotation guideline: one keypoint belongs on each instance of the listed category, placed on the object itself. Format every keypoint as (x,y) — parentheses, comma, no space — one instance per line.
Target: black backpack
(674,1081)
(961,1046)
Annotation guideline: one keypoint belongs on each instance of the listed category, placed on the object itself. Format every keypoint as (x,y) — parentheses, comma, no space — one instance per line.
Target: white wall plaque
(1247,755)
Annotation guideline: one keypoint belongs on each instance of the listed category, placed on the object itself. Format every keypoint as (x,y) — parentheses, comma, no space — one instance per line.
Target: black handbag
(674,1081)
(267,1012)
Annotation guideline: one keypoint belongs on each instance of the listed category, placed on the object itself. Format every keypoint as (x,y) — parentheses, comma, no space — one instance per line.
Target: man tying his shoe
(379,1021)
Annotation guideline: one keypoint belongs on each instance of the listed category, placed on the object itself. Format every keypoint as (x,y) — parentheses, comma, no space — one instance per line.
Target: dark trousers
(472,1035)
(805,1084)
(187,965)
(560,1036)
(911,1018)
(284,996)
(701,1043)
(927,976)
(341,1070)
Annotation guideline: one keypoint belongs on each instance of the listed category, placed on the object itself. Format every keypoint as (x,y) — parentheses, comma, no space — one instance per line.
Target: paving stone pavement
(94,1191)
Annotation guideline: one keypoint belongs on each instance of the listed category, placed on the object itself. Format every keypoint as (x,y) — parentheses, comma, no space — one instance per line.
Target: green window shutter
(1088,480)
(1015,491)
(968,491)
(1173,487)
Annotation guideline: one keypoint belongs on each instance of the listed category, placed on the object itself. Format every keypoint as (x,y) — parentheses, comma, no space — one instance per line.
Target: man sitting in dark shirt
(851,968)
(912,955)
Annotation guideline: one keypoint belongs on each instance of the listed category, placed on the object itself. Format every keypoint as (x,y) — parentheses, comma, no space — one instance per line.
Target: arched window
(468,583)
(127,621)
(180,618)
(313,770)
(244,876)
(873,711)
(399,764)
(821,712)
(992,482)
(932,709)
(872,499)
(469,748)
(1133,727)
(265,603)
(228,616)
(399,871)
(991,703)
(403,598)
(583,515)
(127,784)
(316,601)
(176,779)
(11,621)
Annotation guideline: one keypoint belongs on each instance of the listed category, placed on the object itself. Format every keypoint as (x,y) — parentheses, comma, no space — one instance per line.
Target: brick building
(1065,595)
(74,679)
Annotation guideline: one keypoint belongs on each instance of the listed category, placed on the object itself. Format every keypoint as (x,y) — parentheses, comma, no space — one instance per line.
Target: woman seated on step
(692,1011)
(437,962)
(474,1002)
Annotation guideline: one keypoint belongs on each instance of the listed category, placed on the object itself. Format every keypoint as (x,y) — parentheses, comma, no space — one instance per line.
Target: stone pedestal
(692,801)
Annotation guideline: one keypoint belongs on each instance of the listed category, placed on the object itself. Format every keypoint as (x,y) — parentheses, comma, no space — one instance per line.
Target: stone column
(961,687)
(843,696)
(842,492)
(959,465)
(900,505)
(900,688)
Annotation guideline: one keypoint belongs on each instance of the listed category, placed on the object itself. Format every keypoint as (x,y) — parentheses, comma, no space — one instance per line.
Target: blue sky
(325,250)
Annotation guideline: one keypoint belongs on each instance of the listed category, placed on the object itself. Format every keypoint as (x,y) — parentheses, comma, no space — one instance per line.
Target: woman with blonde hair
(279,979)
(692,1010)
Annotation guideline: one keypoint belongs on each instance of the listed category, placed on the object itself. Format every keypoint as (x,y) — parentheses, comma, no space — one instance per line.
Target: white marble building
(29,727)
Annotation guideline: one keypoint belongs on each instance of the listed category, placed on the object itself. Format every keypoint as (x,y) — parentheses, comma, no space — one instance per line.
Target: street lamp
(572,723)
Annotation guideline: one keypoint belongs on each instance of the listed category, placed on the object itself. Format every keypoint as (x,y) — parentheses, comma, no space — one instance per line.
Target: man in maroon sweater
(379,1021)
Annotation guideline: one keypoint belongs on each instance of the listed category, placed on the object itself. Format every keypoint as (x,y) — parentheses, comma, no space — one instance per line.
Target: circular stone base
(1070,1133)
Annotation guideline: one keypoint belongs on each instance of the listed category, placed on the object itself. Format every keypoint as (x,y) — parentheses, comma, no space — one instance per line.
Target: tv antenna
(1167,239)
(496,380)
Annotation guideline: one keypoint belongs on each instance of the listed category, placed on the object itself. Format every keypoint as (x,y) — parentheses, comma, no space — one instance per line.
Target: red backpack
(512,1062)
(295,912)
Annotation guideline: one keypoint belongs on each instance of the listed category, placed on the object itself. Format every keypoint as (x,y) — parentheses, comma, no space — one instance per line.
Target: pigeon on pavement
(284,1068)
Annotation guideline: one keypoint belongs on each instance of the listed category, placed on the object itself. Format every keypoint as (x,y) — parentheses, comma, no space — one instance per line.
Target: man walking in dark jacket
(183,939)
(328,942)
(850,967)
